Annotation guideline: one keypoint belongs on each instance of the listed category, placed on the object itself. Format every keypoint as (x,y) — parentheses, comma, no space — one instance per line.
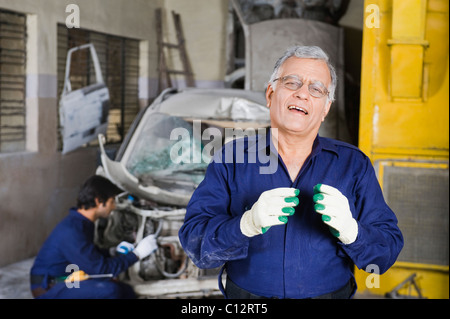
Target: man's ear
(326,110)
(269,93)
(97,202)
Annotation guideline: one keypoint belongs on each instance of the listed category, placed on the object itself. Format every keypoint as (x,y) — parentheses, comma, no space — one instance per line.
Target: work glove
(272,208)
(124,247)
(146,246)
(335,211)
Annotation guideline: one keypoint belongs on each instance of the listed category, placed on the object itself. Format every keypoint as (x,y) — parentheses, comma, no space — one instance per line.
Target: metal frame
(121,75)
(12,83)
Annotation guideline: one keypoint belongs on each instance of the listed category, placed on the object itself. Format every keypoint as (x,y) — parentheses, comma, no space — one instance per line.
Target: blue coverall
(300,259)
(72,243)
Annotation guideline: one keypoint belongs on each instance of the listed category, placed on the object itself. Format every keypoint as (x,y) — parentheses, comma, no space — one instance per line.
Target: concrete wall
(38,186)
(204,27)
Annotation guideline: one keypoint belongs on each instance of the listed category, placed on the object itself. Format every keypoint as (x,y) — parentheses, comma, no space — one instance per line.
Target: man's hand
(335,211)
(146,246)
(272,208)
(124,247)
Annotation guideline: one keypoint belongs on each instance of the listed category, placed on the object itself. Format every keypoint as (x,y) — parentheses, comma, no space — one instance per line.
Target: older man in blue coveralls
(295,229)
(71,247)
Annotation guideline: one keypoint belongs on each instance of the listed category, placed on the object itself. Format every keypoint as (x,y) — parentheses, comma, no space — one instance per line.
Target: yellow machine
(404,129)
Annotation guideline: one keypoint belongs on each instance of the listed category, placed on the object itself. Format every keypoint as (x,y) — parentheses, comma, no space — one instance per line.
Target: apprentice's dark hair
(96,187)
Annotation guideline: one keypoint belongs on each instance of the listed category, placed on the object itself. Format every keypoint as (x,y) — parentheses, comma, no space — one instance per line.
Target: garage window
(12,81)
(119,60)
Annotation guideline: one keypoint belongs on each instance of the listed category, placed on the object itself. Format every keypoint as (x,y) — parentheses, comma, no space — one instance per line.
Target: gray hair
(307,52)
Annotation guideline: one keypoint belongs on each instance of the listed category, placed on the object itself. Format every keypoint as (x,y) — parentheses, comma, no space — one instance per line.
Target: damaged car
(158,166)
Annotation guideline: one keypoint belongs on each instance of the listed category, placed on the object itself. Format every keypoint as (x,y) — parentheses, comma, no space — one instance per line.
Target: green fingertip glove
(272,208)
(335,211)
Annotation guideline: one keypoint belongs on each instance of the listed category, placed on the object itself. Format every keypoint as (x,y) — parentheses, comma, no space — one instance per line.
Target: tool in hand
(80,275)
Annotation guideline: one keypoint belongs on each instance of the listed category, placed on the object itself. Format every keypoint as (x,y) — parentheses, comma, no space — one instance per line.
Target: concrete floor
(14,280)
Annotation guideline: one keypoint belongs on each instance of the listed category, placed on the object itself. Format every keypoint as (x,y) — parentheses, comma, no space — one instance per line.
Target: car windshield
(158,160)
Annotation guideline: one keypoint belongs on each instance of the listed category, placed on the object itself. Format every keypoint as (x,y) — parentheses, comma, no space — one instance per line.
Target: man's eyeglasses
(294,83)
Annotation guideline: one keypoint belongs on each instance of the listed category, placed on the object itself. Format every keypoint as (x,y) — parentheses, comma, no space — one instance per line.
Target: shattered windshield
(162,157)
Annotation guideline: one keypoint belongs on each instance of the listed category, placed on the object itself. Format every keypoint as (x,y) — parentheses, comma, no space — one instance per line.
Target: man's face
(104,209)
(285,103)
